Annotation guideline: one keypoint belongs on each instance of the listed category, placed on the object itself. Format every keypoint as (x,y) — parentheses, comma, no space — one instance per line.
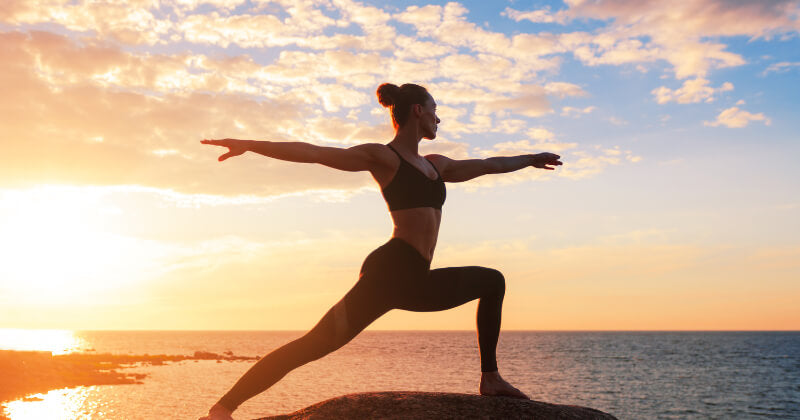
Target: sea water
(632,375)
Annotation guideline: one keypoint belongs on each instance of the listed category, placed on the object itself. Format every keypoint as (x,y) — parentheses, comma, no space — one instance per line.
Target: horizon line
(405,330)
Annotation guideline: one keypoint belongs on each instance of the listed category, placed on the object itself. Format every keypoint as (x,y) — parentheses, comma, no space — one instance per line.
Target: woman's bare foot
(218,412)
(493,385)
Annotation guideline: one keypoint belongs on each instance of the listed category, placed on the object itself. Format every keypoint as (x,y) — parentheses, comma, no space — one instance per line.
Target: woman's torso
(418,225)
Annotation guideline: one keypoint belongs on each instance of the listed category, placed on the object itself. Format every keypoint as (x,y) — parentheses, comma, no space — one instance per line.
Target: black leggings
(394,276)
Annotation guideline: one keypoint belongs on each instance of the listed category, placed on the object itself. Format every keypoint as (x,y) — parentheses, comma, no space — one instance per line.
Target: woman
(397,275)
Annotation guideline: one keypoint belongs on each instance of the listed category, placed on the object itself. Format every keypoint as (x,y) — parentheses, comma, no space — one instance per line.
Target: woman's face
(428,120)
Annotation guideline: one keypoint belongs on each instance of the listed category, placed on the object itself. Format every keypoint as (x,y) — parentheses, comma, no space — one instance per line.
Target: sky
(677,206)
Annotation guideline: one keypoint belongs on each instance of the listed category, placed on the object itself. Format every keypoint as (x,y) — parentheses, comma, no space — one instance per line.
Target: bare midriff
(419,227)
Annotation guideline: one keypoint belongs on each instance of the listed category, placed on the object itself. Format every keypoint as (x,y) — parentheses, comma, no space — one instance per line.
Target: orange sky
(676,207)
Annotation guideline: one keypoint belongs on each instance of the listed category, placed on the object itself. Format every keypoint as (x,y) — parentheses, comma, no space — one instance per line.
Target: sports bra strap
(434,168)
(395,152)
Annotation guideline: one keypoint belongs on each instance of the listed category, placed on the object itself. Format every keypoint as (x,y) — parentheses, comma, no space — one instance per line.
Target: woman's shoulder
(439,160)
(378,151)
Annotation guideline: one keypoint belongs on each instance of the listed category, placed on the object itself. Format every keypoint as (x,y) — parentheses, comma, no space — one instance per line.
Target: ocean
(632,375)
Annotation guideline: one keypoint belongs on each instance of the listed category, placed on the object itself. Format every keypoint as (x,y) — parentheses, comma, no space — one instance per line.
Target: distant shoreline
(38,372)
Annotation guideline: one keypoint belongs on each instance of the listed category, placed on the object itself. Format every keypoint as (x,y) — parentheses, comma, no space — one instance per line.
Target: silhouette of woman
(396,275)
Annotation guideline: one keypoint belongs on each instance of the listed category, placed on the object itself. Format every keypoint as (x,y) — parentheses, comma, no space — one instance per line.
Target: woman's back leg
(338,326)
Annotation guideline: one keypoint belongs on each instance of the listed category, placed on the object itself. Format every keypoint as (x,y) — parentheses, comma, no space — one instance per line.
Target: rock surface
(438,405)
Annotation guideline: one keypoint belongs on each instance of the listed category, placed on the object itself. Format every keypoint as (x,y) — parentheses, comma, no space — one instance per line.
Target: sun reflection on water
(55,341)
(66,404)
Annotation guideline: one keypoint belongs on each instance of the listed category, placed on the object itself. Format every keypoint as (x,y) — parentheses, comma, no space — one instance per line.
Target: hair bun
(387,94)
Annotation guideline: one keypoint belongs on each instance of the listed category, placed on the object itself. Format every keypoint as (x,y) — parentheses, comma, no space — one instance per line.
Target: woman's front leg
(447,288)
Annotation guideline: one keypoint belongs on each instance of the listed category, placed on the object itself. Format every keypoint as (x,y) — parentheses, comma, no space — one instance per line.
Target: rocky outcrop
(32,372)
(438,405)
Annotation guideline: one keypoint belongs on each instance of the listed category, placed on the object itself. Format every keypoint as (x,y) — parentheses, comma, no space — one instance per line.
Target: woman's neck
(407,138)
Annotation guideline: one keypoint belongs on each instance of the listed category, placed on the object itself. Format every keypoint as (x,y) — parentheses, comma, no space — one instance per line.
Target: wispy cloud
(692,91)
(781,67)
(569,111)
(536,16)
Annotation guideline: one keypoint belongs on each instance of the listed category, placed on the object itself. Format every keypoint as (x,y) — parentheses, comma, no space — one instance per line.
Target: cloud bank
(112,94)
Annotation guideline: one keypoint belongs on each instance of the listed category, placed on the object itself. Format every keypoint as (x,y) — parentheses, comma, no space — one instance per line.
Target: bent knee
(495,281)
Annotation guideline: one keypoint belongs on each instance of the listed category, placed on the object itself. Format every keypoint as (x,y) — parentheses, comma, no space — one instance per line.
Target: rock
(438,405)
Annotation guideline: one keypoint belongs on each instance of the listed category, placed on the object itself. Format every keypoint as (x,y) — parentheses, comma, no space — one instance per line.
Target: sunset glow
(58,250)
(54,341)
(676,208)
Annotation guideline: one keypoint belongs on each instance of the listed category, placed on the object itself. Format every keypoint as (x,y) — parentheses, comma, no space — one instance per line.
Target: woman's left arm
(464,170)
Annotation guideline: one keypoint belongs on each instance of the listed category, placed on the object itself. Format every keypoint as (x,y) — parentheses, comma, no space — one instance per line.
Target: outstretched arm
(464,170)
(356,158)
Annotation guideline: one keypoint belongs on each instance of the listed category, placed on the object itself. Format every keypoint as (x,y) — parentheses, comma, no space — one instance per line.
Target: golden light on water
(60,404)
(55,341)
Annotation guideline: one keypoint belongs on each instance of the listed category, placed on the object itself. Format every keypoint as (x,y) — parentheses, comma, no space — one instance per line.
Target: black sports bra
(411,188)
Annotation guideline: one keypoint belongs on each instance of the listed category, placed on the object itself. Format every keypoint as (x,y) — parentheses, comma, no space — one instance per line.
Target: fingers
(548,164)
(213,142)
(546,159)
(553,160)
(225,156)
(220,142)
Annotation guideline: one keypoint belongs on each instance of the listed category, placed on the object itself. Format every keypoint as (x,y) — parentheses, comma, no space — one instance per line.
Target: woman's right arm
(363,157)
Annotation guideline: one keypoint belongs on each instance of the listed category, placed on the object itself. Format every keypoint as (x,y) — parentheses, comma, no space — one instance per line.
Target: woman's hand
(541,160)
(235,147)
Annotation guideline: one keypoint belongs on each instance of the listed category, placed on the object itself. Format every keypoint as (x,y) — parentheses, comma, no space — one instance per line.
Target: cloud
(511,148)
(581,162)
(130,22)
(569,111)
(536,16)
(472,69)
(449,148)
(328,57)
(412,48)
(736,118)
(338,131)
(781,67)
(539,133)
(532,103)
(586,163)
(563,89)
(678,33)
(521,57)
(617,121)
(692,91)
(632,32)
(426,18)
(695,18)
(57,124)
(156,107)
